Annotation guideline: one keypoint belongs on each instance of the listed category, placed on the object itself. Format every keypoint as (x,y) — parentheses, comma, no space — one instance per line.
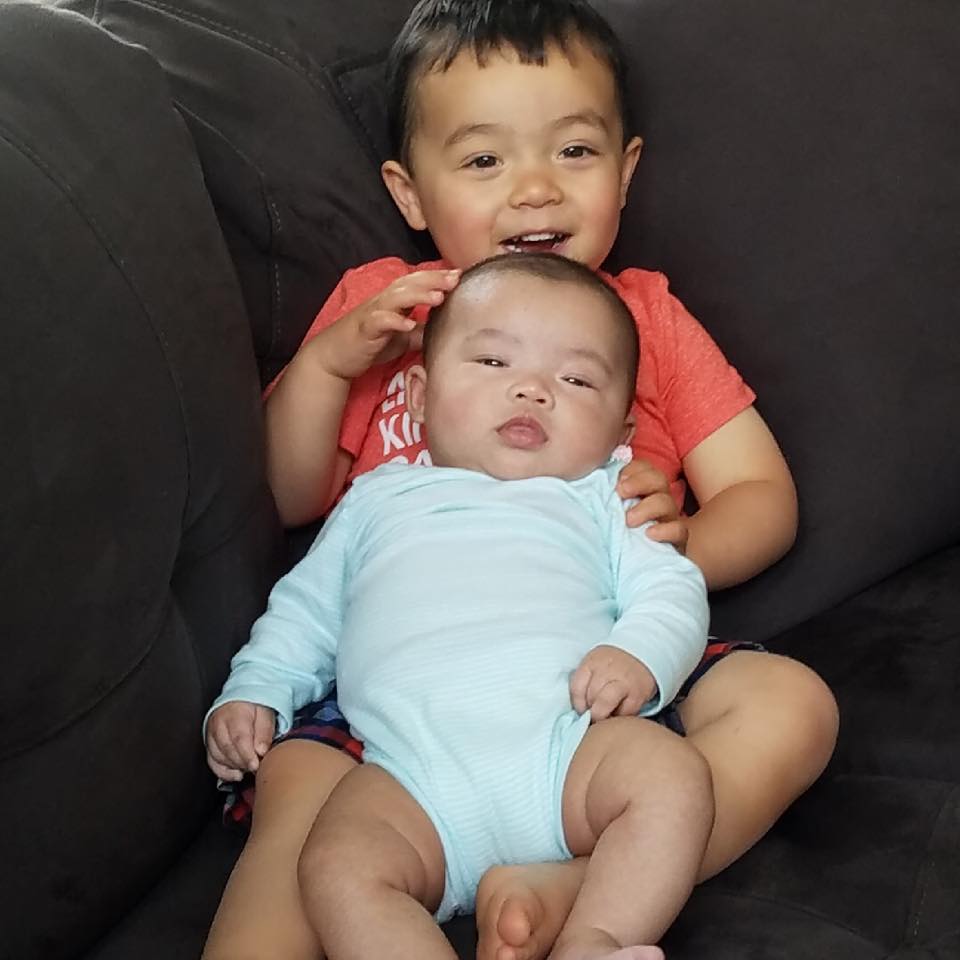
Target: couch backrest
(799,186)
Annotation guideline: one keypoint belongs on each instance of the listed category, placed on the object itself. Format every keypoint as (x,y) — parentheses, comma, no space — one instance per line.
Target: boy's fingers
(425,287)
(675,532)
(657,506)
(415,338)
(380,322)
(638,485)
(640,475)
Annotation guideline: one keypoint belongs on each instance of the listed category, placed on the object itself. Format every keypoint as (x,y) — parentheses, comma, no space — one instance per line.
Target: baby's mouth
(543,242)
(523,433)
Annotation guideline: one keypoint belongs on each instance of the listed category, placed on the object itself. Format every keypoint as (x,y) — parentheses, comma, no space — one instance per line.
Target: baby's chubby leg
(639,799)
(372,872)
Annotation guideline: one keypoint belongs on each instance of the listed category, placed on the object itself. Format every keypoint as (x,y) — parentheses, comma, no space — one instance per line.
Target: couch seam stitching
(226,30)
(273,215)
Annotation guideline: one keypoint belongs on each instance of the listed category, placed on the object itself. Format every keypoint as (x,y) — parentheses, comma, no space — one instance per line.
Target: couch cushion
(864,866)
(139,537)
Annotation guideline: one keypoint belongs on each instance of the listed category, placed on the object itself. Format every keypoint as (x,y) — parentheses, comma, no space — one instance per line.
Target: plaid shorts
(323,722)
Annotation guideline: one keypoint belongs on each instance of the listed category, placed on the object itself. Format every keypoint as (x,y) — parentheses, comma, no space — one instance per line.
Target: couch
(181,184)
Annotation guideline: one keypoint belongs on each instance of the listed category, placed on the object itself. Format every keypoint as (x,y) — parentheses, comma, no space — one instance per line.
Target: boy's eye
(577,151)
(490,362)
(578,382)
(484,162)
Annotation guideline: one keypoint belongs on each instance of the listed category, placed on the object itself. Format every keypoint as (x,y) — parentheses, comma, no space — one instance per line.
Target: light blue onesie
(451,609)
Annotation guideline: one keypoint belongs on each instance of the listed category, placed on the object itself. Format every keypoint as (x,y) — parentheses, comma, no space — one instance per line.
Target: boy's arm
(305,465)
(663,612)
(290,659)
(365,322)
(747,516)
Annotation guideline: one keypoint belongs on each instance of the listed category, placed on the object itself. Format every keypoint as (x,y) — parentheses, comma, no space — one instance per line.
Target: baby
(494,629)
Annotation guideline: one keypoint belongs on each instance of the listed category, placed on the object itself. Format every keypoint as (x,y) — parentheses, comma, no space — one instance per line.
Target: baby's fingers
(219,762)
(222,771)
(606,700)
(243,747)
(264,726)
(579,682)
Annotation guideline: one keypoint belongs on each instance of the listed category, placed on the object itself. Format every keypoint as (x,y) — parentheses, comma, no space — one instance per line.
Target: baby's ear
(416,390)
(399,182)
(629,428)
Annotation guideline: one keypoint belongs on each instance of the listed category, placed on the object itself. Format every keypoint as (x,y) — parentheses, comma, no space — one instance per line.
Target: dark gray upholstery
(182,183)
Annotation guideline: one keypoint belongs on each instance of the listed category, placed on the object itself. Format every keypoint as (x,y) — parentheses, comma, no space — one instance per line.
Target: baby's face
(513,156)
(527,379)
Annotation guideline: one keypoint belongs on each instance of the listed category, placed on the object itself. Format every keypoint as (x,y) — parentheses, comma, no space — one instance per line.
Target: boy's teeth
(514,243)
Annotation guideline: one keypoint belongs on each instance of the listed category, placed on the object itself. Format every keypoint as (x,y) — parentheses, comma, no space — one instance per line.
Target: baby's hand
(642,481)
(381,329)
(238,735)
(610,682)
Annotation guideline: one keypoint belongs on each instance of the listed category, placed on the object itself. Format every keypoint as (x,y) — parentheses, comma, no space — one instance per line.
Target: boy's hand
(381,329)
(642,481)
(238,735)
(610,682)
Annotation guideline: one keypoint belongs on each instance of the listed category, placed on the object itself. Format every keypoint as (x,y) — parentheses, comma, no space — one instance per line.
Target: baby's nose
(533,390)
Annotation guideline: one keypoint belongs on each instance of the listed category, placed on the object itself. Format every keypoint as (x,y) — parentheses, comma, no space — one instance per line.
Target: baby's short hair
(438,30)
(546,266)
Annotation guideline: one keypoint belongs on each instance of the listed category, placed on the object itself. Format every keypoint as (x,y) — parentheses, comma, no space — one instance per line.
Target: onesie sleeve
(663,615)
(290,659)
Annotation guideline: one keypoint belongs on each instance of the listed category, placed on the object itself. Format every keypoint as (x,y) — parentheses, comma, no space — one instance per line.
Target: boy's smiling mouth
(545,241)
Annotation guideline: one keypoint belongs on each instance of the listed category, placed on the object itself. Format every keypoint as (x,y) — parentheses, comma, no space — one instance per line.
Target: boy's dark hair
(546,266)
(438,30)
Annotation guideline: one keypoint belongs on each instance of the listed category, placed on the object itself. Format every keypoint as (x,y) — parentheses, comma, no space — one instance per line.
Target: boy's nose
(535,187)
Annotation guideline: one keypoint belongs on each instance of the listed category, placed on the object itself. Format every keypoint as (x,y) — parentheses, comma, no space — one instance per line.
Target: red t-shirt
(686,389)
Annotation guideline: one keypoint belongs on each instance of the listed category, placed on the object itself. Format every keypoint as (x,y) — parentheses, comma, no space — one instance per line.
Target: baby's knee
(678,773)
(691,779)
(324,860)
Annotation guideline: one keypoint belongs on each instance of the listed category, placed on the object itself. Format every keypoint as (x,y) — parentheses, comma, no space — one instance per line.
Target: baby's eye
(490,362)
(577,151)
(485,161)
(578,382)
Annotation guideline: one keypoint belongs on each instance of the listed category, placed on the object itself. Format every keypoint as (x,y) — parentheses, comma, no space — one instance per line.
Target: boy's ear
(629,428)
(416,390)
(398,181)
(631,155)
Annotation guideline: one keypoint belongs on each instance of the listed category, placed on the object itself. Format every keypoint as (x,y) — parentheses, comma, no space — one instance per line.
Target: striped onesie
(450,609)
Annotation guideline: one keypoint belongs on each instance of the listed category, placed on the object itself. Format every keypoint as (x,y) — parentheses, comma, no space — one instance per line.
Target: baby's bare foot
(599,946)
(521,909)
